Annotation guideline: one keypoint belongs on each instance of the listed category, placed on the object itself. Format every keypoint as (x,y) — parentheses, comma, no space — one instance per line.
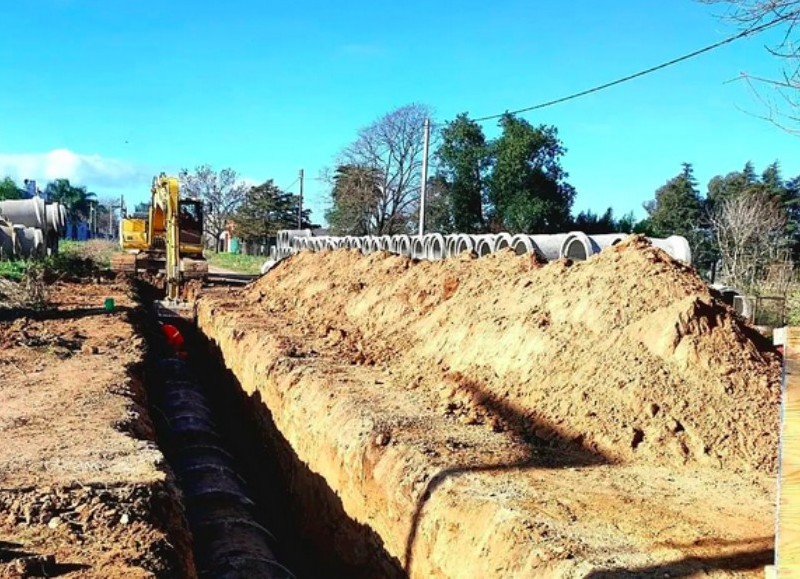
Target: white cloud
(94,171)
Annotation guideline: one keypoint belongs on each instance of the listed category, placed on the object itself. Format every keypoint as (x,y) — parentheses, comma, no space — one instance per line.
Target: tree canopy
(265,210)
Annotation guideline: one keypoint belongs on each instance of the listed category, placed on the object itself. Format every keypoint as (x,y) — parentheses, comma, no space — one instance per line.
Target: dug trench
(255,510)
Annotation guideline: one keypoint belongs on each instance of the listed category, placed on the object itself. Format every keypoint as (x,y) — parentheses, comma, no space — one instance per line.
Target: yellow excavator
(169,241)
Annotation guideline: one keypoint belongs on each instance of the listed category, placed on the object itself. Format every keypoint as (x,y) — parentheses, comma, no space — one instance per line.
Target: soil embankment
(499,417)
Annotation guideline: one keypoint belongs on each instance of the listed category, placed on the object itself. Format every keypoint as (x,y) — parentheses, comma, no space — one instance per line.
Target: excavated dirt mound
(628,355)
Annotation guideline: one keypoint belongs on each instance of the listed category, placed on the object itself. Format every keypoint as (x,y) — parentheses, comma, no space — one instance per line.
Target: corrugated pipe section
(576,245)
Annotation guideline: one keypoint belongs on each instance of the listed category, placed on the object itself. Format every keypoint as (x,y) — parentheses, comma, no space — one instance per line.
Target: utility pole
(300,207)
(423,186)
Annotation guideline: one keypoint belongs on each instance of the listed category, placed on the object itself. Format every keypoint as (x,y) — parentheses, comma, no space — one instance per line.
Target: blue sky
(110,92)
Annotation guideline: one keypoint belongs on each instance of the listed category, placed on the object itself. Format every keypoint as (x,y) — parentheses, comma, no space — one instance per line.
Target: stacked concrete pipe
(575,245)
(30,241)
(435,246)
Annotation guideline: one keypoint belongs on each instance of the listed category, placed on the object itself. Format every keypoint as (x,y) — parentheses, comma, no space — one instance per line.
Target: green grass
(236,262)
(14,269)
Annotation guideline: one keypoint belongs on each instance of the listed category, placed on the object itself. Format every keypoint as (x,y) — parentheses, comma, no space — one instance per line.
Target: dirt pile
(628,355)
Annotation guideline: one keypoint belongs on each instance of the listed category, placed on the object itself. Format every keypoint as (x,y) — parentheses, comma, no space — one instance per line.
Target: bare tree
(782,102)
(749,230)
(222,191)
(390,149)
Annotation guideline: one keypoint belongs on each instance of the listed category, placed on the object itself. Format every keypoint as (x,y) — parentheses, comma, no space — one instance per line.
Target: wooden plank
(788,528)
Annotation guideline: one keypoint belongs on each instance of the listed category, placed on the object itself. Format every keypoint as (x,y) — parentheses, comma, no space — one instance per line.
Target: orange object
(173,335)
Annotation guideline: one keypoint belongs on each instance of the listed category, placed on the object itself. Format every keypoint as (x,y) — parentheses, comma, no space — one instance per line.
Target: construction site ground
(83,488)
(492,417)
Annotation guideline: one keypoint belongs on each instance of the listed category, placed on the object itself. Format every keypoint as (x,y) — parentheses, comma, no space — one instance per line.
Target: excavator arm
(164,206)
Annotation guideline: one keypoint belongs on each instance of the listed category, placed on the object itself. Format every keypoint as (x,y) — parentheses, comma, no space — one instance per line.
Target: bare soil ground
(83,488)
(501,418)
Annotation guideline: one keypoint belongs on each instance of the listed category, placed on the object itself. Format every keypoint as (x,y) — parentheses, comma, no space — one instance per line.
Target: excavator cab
(190,222)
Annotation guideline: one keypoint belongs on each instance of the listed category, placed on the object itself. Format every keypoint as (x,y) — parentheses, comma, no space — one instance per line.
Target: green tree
(355,198)
(464,157)
(265,210)
(593,224)
(527,188)
(9,189)
(77,200)
(677,208)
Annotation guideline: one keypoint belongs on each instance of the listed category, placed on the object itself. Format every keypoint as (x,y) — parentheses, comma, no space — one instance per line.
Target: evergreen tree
(527,188)
(677,208)
(265,210)
(463,159)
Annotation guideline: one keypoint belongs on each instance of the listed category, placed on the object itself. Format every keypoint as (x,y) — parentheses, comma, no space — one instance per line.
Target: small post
(300,206)
(424,184)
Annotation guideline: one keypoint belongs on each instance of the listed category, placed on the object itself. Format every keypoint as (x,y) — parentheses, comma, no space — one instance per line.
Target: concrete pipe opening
(403,245)
(357,243)
(578,246)
(375,244)
(435,247)
(463,243)
(503,241)
(484,244)
(522,244)
(385,242)
(449,244)
(418,248)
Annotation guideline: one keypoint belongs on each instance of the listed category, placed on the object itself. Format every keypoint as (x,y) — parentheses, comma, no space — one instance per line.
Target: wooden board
(788,528)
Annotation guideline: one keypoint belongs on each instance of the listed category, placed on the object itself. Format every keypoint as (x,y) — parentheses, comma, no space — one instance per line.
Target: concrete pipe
(522,244)
(375,244)
(435,247)
(463,243)
(31,241)
(484,244)
(402,244)
(8,243)
(53,218)
(607,239)
(449,243)
(332,243)
(357,243)
(578,246)
(418,248)
(503,241)
(385,242)
(676,246)
(549,245)
(27,212)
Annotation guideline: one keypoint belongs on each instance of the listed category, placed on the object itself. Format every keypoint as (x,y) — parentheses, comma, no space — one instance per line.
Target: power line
(749,32)
(290,186)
